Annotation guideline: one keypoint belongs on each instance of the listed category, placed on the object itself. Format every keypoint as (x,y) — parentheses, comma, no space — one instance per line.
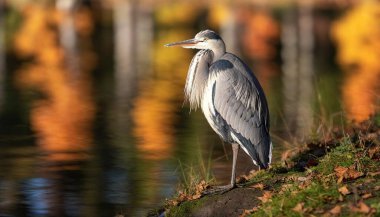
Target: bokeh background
(92,114)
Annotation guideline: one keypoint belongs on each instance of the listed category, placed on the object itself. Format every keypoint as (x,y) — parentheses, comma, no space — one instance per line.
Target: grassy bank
(339,176)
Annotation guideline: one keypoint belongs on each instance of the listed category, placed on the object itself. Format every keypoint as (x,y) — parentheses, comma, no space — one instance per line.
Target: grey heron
(231,98)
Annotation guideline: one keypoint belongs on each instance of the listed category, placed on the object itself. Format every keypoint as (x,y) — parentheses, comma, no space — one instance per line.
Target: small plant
(195,178)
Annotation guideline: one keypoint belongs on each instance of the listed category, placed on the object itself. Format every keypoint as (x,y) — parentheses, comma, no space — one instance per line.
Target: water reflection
(63,118)
(36,192)
(155,133)
(2,54)
(298,69)
(94,123)
(63,115)
(358,30)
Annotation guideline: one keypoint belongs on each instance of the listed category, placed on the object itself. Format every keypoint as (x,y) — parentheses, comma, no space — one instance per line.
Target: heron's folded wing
(240,103)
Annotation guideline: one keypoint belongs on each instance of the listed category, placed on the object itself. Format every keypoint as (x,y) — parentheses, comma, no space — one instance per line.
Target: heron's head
(204,40)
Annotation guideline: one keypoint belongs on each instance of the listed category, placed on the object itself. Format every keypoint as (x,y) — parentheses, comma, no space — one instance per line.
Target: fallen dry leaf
(374,151)
(183,196)
(299,207)
(374,173)
(266,196)
(336,210)
(258,186)
(344,190)
(376,188)
(285,187)
(247,212)
(344,173)
(366,196)
(340,198)
(302,179)
(319,210)
(198,190)
(339,172)
(196,196)
(353,174)
(360,207)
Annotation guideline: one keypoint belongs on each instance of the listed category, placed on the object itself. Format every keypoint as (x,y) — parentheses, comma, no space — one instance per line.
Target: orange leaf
(336,210)
(258,186)
(266,196)
(247,212)
(353,174)
(344,173)
(344,190)
(195,196)
(339,172)
(361,207)
(366,196)
(299,207)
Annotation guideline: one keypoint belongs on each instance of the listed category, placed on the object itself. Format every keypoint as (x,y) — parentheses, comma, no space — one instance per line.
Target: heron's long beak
(186,44)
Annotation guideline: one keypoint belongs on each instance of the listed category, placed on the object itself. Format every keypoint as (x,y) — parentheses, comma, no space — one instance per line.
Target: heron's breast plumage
(197,77)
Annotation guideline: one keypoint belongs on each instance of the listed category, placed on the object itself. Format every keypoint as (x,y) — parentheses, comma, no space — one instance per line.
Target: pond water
(92,114)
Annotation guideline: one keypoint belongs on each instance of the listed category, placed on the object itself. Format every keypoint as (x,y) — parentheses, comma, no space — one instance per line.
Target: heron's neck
(218,51)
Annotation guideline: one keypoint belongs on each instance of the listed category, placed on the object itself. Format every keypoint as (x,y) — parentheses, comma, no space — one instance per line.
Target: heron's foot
(218,189)
(241,185)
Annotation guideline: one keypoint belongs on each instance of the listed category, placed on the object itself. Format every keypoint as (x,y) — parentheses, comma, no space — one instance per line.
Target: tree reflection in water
(104,98)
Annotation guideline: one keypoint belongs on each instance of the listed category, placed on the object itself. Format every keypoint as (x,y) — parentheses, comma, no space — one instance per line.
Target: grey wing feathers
(239,100)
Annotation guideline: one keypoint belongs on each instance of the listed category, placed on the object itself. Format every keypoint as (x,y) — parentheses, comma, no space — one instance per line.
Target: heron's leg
(225,188)
(235,151)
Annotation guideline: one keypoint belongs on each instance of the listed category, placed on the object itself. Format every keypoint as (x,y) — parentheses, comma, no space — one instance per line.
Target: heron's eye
(203,39)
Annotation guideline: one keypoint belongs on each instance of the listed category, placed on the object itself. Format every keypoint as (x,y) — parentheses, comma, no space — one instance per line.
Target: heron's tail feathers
(264,153)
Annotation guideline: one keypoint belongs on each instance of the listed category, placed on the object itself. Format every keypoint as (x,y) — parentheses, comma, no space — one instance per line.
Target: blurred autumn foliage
(154,112)
(260,39)
(62,119)
(261,34)
(357,35)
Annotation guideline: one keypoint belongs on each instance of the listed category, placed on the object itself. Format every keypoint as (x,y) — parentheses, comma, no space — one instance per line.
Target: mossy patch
(185,209)
(343,155)
(320,193)
(284,203)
